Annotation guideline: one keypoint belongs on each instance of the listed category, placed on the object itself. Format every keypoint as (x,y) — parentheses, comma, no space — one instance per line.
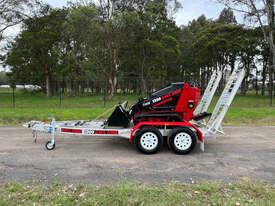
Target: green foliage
(33,56)
(227,17)
(93,42)
(132,46)
(125,193)
(14,12)
(216,42)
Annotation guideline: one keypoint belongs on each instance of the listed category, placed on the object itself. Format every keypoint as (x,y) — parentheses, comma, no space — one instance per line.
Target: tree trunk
(271,21)
(264,78)
(243,87)
(256,82)
(143,81)
(48,86)
(113,86)
(232,63)
(271,67)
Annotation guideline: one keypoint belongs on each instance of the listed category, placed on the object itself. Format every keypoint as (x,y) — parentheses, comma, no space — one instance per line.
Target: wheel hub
(183,141)
(149,140)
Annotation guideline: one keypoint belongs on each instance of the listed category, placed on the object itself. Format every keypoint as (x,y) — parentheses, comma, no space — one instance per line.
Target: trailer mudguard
(165,124)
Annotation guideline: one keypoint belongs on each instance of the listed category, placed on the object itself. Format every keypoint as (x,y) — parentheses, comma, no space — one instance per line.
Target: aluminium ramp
(209,93)
(225,100)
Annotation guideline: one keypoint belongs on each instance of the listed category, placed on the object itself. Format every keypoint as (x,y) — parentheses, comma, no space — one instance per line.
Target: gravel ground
(244,152)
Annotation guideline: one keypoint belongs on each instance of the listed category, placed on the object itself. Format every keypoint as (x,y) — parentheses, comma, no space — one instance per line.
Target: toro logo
(156,100)
(146,104)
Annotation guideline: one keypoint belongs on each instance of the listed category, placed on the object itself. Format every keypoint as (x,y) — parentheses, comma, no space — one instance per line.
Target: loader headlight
(191,104)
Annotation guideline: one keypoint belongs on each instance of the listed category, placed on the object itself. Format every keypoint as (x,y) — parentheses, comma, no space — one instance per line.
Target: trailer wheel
(148,140)
(182,140)
(50,146)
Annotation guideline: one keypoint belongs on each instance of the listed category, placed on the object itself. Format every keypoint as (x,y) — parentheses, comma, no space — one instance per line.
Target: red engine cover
(188,101)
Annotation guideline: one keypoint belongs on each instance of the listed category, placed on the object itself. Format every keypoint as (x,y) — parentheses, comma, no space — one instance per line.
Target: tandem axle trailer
(173,114)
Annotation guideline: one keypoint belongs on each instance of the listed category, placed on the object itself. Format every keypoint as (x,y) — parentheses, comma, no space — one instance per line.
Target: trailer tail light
(76,131)
(114,132)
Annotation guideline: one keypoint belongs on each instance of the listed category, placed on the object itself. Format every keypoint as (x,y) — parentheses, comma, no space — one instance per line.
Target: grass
(249,110)
(30,106)
(245,110)
(124,193)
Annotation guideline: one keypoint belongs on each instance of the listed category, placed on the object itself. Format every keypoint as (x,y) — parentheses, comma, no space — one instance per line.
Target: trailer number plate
(89,131)
(100,132)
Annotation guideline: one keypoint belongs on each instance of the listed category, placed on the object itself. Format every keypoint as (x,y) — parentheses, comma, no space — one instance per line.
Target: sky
(191,9)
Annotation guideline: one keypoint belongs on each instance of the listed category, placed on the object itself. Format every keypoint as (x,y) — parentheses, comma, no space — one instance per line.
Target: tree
(79,46)
(258,10)
(227,17)
(33,57)
(13,12)
(217,45)
(131,46)
(190,67)
(148,37)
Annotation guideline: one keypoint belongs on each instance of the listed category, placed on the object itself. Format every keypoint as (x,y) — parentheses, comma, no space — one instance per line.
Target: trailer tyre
(182,140)
(50,146)
(148,140)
